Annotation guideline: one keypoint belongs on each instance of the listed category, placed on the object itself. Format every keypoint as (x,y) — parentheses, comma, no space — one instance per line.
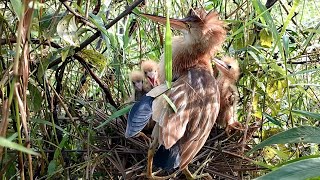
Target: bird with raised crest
(179,136)
(227,79)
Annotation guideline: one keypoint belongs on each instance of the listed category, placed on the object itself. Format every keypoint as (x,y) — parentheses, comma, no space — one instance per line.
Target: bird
(137,80)
(143,81)
(179,136)
(229,74)
(150,70)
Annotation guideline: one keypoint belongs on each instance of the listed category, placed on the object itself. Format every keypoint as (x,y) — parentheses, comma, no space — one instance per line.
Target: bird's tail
(167,159)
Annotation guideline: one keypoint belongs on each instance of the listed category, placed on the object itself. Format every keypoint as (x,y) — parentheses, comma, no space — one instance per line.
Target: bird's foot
(235,126)
(153,176)
(146,139)
(205,175)
(194,176)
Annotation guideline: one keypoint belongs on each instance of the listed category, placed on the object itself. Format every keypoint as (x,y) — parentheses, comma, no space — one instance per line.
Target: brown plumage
(194,92)
(137,79)
(190,51)
(229,75)
(151,71)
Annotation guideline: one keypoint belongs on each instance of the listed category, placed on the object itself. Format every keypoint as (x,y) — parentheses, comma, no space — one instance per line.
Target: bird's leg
(144,137)
(190,176)
(151,152)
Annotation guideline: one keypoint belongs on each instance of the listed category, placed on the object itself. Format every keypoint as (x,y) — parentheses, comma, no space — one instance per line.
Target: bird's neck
(188,54)
(224,84)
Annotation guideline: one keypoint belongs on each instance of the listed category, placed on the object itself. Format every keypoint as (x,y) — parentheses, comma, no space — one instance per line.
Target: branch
(34,41)
(82,19)
(97,79)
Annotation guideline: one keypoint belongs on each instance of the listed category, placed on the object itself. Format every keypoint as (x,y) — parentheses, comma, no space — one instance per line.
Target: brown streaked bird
(137,79)
(151,71)
(180,135)
(229,75)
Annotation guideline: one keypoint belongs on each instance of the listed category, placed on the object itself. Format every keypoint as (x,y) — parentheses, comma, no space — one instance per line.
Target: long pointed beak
(221,64)
(151,76)
(179,24)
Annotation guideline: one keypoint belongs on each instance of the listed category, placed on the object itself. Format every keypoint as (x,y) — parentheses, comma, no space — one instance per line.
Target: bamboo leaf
(170,103)
(265,38)
(67,29)
(17,7)
(94,58)
(6,143)
(315,116)
(295,171)
(115,115)
(307,134)
(50,124)
(273,120)
(168,49)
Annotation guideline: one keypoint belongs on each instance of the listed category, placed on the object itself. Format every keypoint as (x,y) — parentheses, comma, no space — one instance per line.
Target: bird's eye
(229,67)
(189,26)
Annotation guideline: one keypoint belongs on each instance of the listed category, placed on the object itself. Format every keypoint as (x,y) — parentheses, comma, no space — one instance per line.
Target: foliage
(65,88)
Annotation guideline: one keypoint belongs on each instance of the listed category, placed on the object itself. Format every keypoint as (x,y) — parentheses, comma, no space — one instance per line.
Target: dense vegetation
(65,87)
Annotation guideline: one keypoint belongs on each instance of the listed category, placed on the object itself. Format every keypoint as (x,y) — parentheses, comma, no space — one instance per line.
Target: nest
(222,156)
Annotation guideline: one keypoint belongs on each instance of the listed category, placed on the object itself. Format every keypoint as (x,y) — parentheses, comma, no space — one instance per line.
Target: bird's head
(228,67)
(150,69)
(198,27)
(136,78)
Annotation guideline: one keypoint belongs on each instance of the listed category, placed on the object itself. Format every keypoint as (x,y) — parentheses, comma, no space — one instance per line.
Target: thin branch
(82,19)
(34,41)
(98,80)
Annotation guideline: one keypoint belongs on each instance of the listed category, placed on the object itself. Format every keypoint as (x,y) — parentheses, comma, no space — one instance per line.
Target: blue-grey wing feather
(139,116)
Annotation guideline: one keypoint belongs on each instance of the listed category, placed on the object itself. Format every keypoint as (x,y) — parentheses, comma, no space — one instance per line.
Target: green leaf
(34,97)
(273,120)
(285,41)
(170,102)
(41,121)
(52,167)
(17,7)
(296,160)
(67,30)
(64,53)
(315,116)
(115,115)
(50,20)
(295,171)
(168,49)
(307,134)
(95,58)
(301,72)
(265,38)
(6,143)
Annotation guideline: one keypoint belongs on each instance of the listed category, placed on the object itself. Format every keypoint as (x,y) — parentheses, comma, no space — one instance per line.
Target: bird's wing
(196,98)
(141,111)
(139,116)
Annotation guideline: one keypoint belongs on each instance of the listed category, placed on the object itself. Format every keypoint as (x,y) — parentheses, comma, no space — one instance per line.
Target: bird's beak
(138,85)
(152,78)
(179,24)
(221,65)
